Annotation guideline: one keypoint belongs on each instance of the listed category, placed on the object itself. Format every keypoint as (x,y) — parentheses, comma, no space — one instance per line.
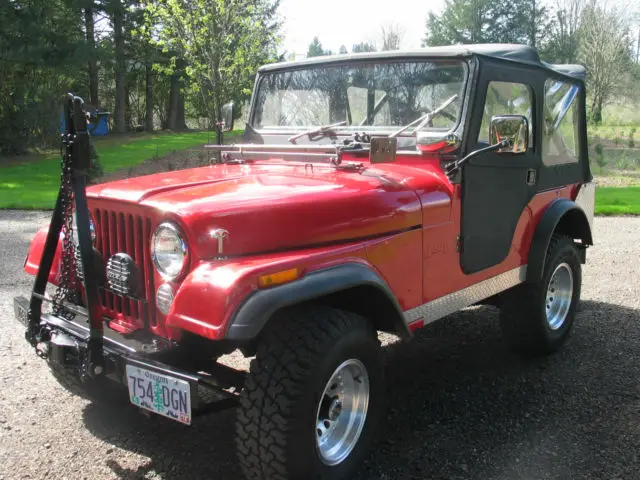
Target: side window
(560,141)
(507,98)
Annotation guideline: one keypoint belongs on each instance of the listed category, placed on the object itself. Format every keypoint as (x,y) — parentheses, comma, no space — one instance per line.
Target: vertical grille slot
(140,241)
(97,215)
(132,304)
(148,272)
(106,218)
(122,247)
(127,233)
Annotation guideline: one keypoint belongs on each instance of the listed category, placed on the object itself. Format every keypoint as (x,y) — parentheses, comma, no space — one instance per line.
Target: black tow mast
(72,198)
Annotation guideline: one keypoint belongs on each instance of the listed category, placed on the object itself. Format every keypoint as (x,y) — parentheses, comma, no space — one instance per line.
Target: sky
(347,22)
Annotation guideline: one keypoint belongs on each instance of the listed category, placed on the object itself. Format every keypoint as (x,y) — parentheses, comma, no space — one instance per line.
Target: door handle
(531,176)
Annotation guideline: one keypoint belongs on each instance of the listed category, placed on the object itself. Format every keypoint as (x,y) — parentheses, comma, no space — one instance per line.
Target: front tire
(313,397)
(536,318)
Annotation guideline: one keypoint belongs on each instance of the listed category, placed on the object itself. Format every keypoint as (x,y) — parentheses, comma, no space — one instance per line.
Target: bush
(95,170)
(600,157)
(631,141)
(599,149)
(622,163)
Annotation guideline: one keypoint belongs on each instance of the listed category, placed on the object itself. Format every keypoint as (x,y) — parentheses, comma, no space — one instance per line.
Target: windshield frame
(349,130)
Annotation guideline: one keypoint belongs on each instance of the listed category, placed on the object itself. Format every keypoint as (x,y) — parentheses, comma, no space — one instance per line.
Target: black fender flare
(252,315)
(572,220)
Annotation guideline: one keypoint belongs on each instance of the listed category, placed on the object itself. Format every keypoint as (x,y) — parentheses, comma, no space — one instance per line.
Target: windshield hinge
(383,149)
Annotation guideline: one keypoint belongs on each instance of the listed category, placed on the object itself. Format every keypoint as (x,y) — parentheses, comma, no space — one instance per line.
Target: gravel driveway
(461,406)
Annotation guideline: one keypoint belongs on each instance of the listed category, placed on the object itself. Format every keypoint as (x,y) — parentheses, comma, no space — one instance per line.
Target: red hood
(274,206)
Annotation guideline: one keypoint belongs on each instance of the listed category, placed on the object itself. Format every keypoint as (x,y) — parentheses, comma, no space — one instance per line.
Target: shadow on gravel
(461,406)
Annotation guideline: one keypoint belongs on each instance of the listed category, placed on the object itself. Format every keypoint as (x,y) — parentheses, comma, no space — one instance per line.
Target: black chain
(66,289)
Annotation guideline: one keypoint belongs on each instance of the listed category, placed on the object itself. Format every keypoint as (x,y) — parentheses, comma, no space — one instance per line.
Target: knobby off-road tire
(303,367)
(536,319)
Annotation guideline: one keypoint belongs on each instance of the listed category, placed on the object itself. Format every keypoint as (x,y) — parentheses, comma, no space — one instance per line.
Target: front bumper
(213,386)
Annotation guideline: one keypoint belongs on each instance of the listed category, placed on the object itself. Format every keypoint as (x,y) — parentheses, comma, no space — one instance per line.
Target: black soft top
(516,53)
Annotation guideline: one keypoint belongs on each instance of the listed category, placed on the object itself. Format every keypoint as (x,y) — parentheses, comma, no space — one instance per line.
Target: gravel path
(461,406)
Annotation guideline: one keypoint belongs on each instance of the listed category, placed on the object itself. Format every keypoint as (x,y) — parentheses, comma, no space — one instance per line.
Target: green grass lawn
(33,184)
(618,201)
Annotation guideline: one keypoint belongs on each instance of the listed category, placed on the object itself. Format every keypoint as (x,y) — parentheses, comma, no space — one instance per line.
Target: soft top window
(506,98)
(560,139)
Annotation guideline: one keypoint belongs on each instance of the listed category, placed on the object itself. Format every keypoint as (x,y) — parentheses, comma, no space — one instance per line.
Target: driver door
(496,187)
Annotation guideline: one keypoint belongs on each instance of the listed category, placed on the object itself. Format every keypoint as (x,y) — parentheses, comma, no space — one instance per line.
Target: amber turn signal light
(278,278)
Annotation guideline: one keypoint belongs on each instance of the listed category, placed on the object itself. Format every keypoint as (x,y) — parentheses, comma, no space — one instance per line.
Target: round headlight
(168,250)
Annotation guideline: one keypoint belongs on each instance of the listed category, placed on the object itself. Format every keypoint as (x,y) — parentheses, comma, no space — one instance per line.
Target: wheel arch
(352,287)
(564,217)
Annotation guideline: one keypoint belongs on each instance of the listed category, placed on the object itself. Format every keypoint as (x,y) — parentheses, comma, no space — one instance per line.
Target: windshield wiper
(424,119)
(313,131)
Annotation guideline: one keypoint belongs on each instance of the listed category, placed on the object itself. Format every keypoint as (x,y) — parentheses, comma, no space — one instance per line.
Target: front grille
(126,233)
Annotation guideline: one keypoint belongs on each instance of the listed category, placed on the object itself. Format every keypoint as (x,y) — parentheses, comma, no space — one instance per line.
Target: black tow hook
(43,350)
(93,361)
(61,351)
(41,342)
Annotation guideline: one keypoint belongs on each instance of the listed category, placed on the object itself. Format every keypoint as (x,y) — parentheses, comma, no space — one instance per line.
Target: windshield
(380,97)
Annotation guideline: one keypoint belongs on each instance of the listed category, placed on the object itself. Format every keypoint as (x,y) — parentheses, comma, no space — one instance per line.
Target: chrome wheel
(342,412)
(559,296)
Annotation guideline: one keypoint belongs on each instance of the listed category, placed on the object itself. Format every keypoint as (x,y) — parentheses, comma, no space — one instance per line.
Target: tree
(142,55)
(535,16)
(110,54)
(175,105)
(391,35)
(562,38)
(315,49)
(605,50)
(462,21)
(218,43)
(486,21)
(363,47)
(343,50)
(42,47)
(116,11)
(92,62)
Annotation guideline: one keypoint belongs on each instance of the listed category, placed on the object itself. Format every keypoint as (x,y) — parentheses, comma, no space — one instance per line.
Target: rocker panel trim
(451,303)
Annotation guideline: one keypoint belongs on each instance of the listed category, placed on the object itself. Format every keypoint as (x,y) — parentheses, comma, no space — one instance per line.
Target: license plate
(161,394)
(20,311)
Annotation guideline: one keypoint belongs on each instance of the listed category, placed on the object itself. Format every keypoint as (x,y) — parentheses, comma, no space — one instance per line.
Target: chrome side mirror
(228,115)
(510,127)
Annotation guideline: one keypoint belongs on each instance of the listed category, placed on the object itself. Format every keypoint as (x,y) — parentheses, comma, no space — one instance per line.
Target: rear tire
(536,318)
(313,397)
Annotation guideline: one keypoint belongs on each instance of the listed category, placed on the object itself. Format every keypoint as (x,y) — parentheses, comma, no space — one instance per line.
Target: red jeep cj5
(372,192)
